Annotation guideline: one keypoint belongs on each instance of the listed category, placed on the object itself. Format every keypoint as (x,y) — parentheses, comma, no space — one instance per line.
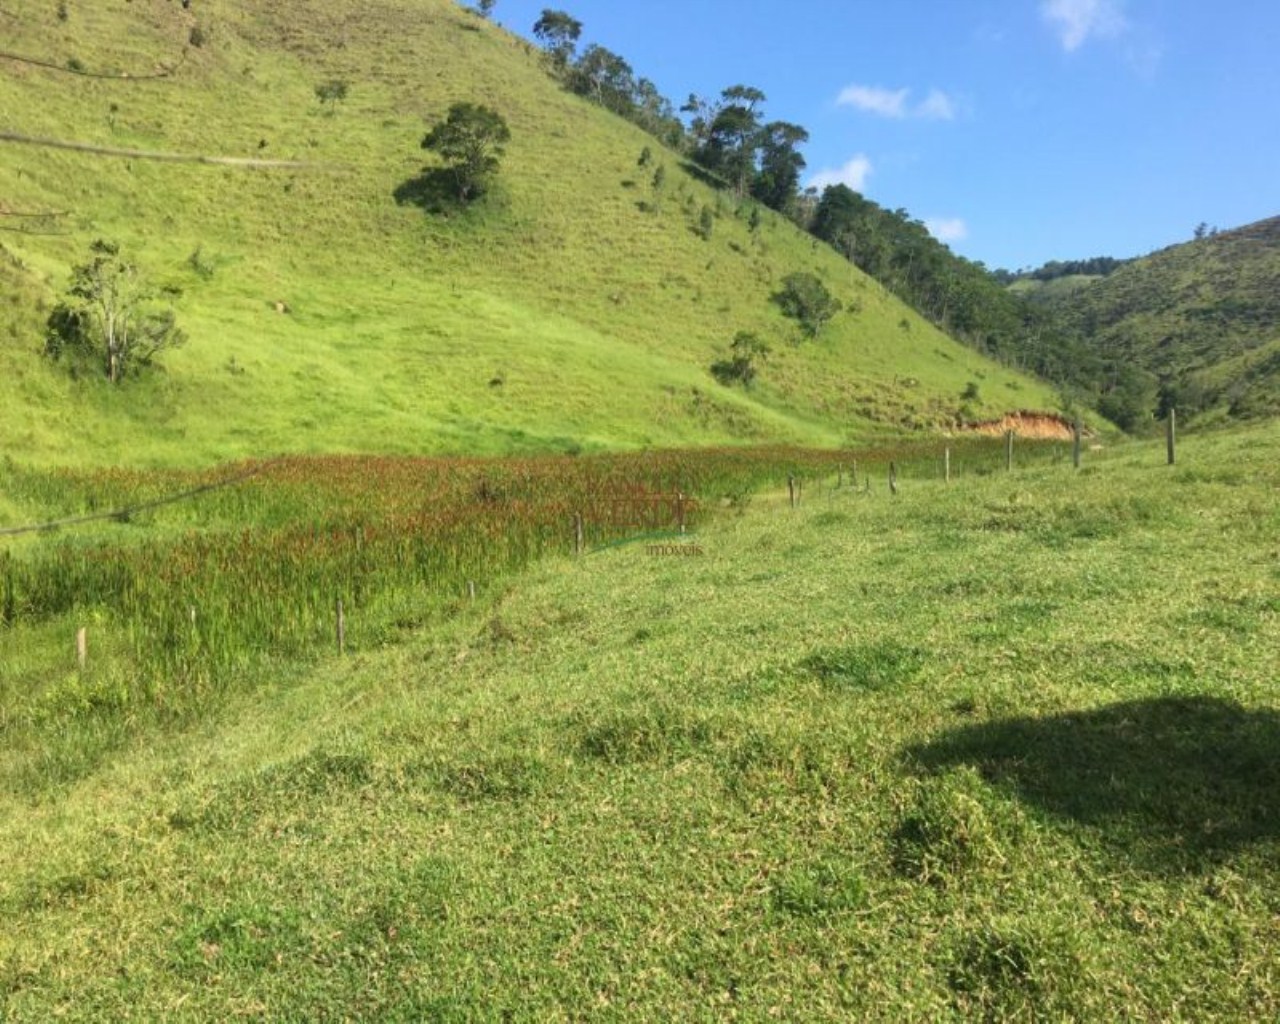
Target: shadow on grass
(435,190)
(1174,782)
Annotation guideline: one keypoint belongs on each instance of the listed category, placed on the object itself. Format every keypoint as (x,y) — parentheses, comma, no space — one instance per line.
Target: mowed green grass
(1002,749)
(599,318)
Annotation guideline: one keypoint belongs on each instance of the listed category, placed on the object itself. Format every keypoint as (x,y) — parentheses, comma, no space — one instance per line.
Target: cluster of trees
(967,301)
(898,251)
(1097,266)
(737,146)
(728,136)
(606,78)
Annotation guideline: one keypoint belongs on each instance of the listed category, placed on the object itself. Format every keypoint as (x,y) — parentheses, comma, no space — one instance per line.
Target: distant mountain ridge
(1195,326)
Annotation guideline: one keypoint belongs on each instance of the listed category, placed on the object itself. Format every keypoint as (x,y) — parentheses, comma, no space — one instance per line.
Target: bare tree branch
(174,158)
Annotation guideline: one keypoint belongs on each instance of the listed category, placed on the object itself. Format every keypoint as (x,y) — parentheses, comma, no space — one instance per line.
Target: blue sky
(1020,130)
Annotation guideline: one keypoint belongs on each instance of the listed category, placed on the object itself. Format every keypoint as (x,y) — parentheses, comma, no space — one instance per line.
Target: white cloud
(937,106)
(947,229)
(1076,20)
(854,174)
(894,103)
(885,102)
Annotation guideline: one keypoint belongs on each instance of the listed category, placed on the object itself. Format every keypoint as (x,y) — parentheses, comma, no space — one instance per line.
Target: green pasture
(1001,749)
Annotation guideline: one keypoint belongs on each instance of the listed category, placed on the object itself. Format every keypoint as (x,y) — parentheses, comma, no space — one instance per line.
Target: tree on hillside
(805,299)
(740,367)
(778,182)
(559,32)
(331,93)
(604,77)
(470,139)
(728,134)
(485,7)
(110,315)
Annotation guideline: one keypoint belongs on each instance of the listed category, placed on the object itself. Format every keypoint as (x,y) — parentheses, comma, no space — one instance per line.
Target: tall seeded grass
(184,597)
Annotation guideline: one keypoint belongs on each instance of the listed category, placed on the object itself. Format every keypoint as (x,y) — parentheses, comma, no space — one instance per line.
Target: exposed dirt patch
(1045,426)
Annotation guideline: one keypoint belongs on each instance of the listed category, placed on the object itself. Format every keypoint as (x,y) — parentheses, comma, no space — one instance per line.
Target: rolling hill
(576,308)
(1200,322)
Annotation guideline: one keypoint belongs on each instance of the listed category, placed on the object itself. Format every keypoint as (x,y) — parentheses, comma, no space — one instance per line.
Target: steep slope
(1202,319)
(329,311)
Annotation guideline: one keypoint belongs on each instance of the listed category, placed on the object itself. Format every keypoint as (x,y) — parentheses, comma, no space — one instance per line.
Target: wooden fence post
(341,628)
(893,478)
(1008,450)
(578,538)
(1171,433)
(82,647)
(946,464)
(791,490)
(1075,443)
(680,510)
(853,475)
(471,589)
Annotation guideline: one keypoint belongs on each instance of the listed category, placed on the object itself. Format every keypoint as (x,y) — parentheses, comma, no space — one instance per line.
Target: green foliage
(741,368)
(1129,398)
(1195,326)
(706,223)
(1097,266)
(606,78)
(957,295)
(485,7)
(200,264)
(777,182)
(559,33)
(109,314)
(470,139)
(332,92)
(805,299)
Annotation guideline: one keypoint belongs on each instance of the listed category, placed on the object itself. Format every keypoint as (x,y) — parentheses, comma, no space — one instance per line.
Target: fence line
(677,505)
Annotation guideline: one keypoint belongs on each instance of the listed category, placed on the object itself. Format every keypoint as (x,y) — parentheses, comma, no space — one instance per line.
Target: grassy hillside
(1056,290)
(1002,749)
(1202,319)
(559,315)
